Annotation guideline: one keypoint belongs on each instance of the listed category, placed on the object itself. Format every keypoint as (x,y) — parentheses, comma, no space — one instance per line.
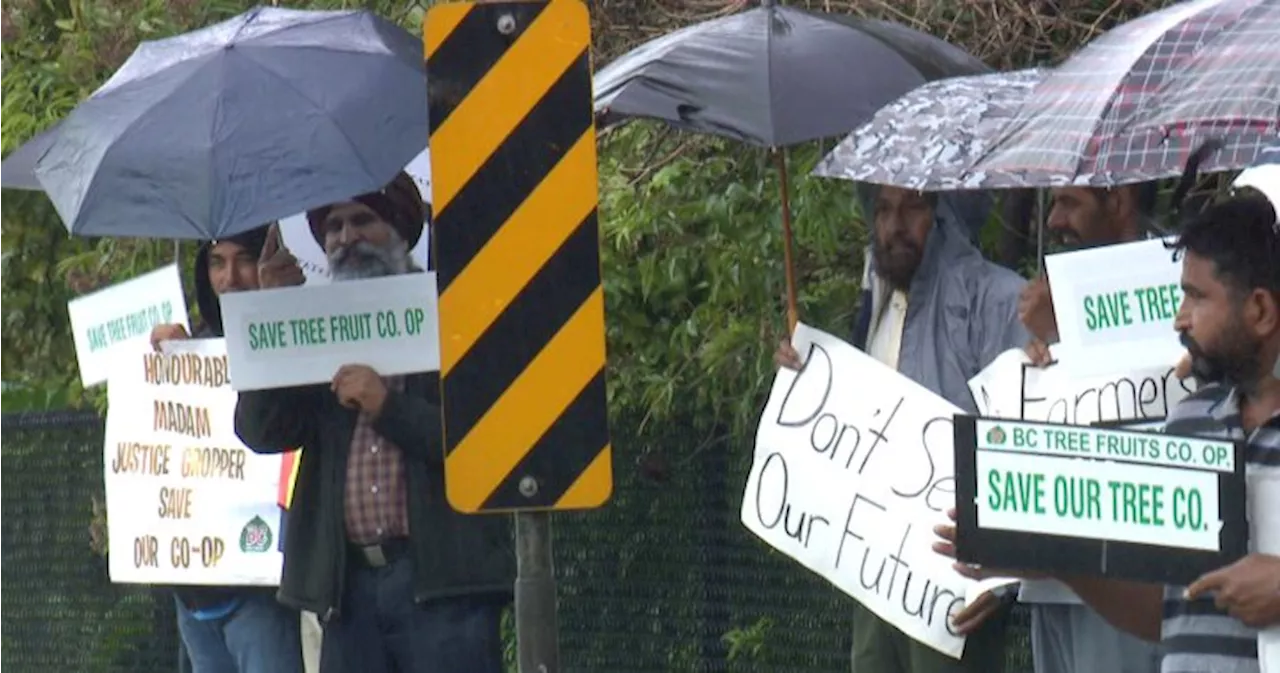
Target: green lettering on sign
(348,328)
(308,331)
(1016,491)
(1159,303)
(1107,310)
(267,335)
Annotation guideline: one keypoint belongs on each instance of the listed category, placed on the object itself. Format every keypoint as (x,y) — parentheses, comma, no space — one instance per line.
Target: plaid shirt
(1197,636)
(376,500)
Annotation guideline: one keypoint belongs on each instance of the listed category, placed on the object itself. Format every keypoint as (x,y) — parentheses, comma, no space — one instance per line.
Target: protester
(400,580)
(1230,322)
(963,313)
(1082,217)
(231,629)
(1067,636)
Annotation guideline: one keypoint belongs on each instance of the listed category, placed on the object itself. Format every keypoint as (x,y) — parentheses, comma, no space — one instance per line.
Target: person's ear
(1262,312)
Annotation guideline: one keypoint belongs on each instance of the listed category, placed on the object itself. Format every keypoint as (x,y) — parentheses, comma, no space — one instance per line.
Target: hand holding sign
(359,387)
(786,356)
(169,332)
(277,267)
(1035,310)
(1248,589)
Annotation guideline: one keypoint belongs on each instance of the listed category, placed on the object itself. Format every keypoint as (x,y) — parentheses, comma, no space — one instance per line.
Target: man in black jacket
(231,629)
(400,580)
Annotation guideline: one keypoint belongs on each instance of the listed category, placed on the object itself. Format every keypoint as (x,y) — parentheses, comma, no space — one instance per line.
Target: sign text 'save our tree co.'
(1137,505)
(852,469)
(187,503)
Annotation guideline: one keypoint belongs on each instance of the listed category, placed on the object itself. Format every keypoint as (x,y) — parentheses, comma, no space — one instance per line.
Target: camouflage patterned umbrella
(1133,103)
(928,138)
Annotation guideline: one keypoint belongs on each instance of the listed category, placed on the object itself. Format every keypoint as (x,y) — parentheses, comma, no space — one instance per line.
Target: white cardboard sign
(1146,488)
(187,502)
(1115,306)
(1010,387)
(117,320)
(302,335)
(853,467)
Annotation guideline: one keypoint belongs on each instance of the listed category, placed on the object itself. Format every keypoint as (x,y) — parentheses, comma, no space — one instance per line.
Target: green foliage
(694,274)
(55,53)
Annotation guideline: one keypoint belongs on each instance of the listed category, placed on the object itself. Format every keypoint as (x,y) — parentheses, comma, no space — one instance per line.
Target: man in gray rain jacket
(938,313)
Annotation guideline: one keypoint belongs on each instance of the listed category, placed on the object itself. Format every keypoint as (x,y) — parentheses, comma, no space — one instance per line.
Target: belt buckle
(374,556)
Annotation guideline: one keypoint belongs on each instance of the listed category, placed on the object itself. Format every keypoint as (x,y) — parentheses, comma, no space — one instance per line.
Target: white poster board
(1010,387)
(302,335)
(311,257)
(187,502)
(1115,306)
(117,320)
(853,467)
(1146,489)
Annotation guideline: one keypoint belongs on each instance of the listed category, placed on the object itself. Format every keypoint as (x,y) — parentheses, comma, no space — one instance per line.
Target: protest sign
(117,320)
(1011,387)
(852,469)
(1118,302)
(187,502)
(311,258)
(1113,503)
(301,335)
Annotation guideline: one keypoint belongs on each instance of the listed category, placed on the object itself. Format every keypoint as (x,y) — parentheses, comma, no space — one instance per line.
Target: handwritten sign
(1177,501)
(1011,387)
(187,502)
(117,320)
(1121,297)
(302,335)
(852,468)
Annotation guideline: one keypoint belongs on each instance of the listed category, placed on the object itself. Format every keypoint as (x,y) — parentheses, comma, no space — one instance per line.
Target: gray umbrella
(775,76)
(214,132)
(19,168)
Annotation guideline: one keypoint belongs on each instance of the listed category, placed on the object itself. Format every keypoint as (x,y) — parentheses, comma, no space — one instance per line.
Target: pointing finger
(1211,581)
(273,242)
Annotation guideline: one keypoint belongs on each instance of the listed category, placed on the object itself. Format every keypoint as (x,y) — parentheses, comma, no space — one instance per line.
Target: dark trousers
(878,647)
(382,630)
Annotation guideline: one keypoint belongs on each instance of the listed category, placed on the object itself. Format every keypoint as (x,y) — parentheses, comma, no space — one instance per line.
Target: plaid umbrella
(1134,103)
(928,138)
(1231,89)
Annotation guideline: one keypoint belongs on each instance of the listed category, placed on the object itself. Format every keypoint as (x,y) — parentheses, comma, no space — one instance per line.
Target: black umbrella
(775,76)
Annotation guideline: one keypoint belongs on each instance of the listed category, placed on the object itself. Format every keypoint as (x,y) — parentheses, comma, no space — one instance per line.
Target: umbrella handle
(793,313)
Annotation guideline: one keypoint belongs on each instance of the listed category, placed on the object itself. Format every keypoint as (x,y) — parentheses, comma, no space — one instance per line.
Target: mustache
(359,249)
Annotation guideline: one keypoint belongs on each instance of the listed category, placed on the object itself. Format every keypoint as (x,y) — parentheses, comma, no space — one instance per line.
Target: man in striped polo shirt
(1230,322)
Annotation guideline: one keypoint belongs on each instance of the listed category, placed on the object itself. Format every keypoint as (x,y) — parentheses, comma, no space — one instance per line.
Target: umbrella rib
(355,148)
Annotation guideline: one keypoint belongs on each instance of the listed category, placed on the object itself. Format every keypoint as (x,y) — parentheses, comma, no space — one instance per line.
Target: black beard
(1238,366)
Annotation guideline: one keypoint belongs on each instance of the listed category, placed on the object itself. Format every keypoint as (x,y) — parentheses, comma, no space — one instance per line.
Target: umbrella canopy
(928,138)
(1230,88)
(1076,126)
(214,132)
(1264,176)
(18,171)
(774,76)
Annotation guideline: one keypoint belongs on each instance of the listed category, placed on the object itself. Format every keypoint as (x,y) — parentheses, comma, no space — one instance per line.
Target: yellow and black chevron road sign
(516,246)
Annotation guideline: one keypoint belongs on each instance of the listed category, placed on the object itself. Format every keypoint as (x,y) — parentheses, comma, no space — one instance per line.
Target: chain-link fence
(663,579)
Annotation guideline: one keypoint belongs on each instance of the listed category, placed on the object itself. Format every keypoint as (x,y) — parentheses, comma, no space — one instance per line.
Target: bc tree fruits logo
(256,536)
(996,435)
